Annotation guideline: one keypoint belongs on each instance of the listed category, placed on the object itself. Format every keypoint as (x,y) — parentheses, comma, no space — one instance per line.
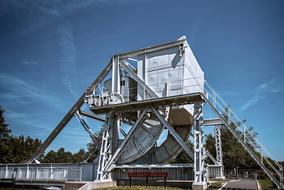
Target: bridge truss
(124,93)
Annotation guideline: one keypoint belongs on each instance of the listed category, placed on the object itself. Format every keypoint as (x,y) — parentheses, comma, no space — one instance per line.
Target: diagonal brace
(208,154)
(129,134)
(174,134)
(67,117)
(141,82)
(87,128)
(93,116)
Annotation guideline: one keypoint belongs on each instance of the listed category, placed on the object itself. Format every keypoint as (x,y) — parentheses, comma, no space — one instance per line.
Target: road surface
(247,184)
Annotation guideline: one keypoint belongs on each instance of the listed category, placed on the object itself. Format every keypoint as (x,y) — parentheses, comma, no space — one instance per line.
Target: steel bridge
(154,91)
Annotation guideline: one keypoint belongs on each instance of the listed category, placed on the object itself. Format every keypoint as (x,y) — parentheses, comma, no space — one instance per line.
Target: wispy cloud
(68,58)
(57,4)
(16,88)
(260,93)
(254,100)
(66,41)
(55,10)
(31,62)
(65,38)
(23,116)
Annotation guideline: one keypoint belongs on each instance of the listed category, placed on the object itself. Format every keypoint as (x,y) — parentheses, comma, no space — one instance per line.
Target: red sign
(147,174)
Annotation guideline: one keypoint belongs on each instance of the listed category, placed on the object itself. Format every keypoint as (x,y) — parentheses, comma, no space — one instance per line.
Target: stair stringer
(246,147)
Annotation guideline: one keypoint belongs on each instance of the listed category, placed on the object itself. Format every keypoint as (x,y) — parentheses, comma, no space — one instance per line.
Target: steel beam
(139,81)
(91,115)
(144,104)
(104,156)
(211,157)
(246,147)
(218,144)
(212,122)
(87,128)
(117,153)
(174,134)
(219,152)
(67,117)
(152,49)
(147,166)
(115,79)
(199,163)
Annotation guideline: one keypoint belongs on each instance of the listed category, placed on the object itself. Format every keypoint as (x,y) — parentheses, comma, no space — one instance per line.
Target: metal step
(253,148)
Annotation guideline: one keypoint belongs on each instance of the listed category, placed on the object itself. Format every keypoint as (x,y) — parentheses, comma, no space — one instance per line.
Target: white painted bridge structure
(151,103)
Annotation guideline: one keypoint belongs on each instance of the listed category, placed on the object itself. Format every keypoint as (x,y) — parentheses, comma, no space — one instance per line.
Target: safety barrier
(41,172)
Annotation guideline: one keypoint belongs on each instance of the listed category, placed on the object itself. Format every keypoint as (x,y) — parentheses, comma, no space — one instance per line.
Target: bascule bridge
(151,103)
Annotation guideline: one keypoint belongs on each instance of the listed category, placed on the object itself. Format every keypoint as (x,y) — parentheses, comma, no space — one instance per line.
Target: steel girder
(67,117)
(117,153)
(227,124)
(218,146)
(200,170)
(87,128)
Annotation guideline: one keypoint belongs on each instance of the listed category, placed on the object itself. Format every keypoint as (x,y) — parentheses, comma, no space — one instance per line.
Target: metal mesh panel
(21,173)
(74,174)
(59,173)
(43,173)
(2,172)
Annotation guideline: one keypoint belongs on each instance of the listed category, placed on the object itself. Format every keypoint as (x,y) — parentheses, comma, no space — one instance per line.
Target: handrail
(233,116)
(40,172)
(222,109)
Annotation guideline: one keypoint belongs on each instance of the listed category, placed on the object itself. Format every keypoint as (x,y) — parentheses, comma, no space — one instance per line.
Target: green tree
(234,155)
(210,146)
(23,147)
(14,149)
(79,156)
(62,156)
(5,138)
(93,149)
(50,157)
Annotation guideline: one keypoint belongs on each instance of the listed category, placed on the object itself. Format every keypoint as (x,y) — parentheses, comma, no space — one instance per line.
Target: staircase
(239,130)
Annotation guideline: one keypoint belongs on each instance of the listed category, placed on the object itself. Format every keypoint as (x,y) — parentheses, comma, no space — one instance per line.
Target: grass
(214,186)
(140,188)
(266,184)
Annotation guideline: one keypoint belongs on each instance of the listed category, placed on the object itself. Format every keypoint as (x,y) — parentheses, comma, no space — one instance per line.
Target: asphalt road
(245,184)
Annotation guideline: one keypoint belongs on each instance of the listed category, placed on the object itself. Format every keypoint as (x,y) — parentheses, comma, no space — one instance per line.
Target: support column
(51,172)
(200,174)
(111,134)
(115,88)
(219,153)
(6,172)
(114,125)
(115,85)
(105,153)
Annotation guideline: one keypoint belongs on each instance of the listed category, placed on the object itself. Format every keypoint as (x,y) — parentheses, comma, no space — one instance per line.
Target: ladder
(239,130)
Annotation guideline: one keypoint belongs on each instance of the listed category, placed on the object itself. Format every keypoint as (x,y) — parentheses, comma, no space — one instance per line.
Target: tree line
(16,149)
(234,155)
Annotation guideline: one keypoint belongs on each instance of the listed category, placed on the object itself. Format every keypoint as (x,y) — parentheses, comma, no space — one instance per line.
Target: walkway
(244,184)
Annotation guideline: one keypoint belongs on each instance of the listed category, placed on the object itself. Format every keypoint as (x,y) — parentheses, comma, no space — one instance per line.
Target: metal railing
(236,126)
(239,129)
(40,172)
(160,89)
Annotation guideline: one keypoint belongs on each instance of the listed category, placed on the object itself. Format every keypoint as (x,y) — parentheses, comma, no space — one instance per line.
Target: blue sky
(51,50)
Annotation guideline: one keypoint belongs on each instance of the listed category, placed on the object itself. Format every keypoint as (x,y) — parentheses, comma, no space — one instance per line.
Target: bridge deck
(157,102)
